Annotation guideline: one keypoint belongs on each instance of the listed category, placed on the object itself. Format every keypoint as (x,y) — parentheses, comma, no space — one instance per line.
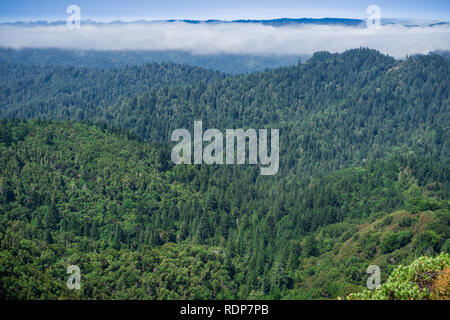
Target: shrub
(441,287)
(424,279)
(387,221)
(393,241)
(428,240)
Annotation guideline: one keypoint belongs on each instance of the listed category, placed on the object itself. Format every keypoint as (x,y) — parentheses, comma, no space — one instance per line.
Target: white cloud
(395,40)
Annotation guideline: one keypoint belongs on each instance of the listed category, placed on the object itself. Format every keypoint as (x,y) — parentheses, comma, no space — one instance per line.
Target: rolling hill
(364,178)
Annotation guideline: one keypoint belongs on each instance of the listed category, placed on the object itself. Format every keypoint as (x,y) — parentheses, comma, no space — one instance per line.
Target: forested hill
(228,63)
(79,93)
(334,111)
(141,228)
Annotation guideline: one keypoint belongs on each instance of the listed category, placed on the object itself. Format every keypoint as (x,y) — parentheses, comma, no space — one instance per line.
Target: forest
(86,178)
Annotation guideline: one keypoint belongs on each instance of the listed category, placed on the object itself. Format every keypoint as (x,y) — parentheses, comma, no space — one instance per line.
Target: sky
(397,40)
(109,10)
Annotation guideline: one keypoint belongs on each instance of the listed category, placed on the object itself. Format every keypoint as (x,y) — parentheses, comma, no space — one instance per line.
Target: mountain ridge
(364,177)
(276,22)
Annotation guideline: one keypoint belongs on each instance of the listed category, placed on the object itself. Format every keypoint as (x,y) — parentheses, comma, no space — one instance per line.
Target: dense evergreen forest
(86,178)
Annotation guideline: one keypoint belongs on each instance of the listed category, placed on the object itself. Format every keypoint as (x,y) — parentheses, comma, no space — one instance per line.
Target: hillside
(141,228)
(426,278)
(364,178)
(78,93)
(335,111)
(385,240)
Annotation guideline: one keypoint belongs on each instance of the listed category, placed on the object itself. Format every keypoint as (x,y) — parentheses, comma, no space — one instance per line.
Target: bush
(428,240)
(424,279)
(393,241)
(387,221)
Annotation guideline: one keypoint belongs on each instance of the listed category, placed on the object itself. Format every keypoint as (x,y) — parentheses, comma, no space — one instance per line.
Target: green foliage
(393,241)
(364,179)
(410,282)
(406,222)
(96,190)
(334,111)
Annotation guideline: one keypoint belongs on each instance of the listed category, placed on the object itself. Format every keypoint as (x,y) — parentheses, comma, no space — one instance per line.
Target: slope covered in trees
(228,63)
(335,111)
(79,93)
(140,227)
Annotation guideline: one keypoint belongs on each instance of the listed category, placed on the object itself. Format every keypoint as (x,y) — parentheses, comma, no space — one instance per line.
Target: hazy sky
(396,40)
(32,10)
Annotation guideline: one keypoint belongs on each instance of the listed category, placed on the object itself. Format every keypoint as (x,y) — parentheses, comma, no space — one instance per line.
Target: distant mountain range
(271,22)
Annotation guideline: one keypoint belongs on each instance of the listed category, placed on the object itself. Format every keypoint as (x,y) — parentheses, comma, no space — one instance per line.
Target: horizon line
(137,20)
